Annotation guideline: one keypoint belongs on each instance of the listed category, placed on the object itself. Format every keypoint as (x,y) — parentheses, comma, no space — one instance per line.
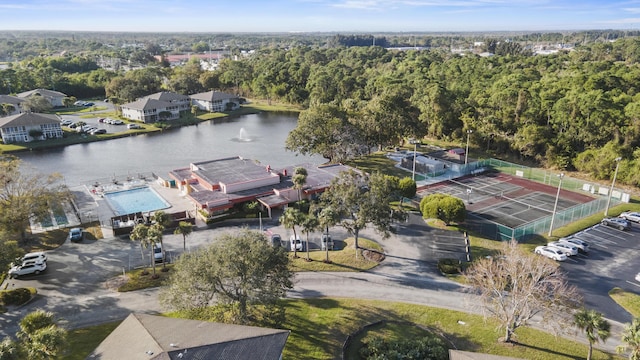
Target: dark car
(89,104)
(618,223)
(76,234)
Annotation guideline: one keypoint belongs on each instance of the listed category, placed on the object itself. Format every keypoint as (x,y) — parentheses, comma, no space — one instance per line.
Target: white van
(296,243)
(326,241)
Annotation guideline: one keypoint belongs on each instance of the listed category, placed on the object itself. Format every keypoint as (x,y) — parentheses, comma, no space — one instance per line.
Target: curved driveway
(74,288)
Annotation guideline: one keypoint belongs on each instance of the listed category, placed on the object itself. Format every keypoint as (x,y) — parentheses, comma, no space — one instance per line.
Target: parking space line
(633,283)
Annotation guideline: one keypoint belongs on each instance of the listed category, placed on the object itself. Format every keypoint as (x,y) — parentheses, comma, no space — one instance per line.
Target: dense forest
(577,109)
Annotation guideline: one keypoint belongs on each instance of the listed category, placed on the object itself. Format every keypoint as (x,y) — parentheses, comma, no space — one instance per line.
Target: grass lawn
(143,278)
(319,327)
(83,341)
(341,260)
(628,300)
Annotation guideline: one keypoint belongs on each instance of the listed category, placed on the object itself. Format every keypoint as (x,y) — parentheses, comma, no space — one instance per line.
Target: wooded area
(574,110)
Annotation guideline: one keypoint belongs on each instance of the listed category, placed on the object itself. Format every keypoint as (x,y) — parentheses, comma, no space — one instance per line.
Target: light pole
(466,152)
(555,206)
(615,174)
(415,149)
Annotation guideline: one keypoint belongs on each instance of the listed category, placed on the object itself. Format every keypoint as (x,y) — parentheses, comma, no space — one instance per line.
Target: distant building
(145,337)
(54,97)
(160,106)
(14,101)
(215,101)
(21,127)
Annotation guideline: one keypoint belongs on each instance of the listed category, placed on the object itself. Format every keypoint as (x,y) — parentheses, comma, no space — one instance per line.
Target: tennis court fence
(497,231)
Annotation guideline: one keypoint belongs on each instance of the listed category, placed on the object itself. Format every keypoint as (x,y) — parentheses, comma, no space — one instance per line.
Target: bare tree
(515,286)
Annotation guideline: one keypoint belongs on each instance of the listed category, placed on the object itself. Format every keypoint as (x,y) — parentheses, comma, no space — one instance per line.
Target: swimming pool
(142,199)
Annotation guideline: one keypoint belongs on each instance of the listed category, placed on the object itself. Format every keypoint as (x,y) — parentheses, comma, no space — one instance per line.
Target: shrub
(449,266)
(15,297)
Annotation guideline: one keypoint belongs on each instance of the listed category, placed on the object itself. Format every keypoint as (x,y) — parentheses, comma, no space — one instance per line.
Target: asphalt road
(74,288)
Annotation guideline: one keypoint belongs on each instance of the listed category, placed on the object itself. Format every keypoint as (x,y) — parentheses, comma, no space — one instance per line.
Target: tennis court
(507,200)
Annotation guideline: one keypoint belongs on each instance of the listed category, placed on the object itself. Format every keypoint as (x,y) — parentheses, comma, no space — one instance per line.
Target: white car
(296,243)
(551,253)
(327,242)
(578,243)
(638,277)
(567,249)
(158,256)
(631,216)
(133,126)
(38,257)
(29,267)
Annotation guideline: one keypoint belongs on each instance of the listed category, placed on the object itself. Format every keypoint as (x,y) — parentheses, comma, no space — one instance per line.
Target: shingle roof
(28,119)
(167,96)
(147,337)
(213,96)
(42,92)
(8,99)
(147,104)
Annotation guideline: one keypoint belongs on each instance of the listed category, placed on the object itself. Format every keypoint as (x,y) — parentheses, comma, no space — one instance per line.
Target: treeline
(572,110)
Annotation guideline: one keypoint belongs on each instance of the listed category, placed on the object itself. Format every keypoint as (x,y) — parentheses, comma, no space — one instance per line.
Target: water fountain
(243,136)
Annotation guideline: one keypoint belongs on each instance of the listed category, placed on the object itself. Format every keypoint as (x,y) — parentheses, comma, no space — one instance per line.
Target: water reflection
(162,152)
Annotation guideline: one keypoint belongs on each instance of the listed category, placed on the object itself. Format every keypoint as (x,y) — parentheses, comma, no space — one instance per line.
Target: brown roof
(28,119)
(142,336)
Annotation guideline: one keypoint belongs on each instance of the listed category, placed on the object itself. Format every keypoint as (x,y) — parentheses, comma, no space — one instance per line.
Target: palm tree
(162,220)
(155,237)
(594,326)
(631,340)
(79,125)
(290,219)
(309,224)
(327,217)
(40,337)
(299,179)
(185,229)
(140,233)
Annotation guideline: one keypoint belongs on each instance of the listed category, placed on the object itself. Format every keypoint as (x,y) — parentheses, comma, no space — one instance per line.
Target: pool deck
(92,206)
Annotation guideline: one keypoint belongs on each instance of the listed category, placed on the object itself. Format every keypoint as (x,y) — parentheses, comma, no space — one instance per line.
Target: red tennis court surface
(505,199)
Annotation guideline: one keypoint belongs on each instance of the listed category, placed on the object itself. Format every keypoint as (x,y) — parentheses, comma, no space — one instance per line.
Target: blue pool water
(143,199)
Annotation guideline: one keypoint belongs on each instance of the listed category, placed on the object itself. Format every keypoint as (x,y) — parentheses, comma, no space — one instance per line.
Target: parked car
(582,245)
(133,126)
(98,131)
(276,240)
(551,253)
(618,223)
(79,103)
(85,128)
(158,255)
(117,122)
(296,243)
(73,126)
(631,216)
(638,277)
(76,234)
(66,122)
(38,257)
(26,268)
(567,249)
(326,242)
(89,104)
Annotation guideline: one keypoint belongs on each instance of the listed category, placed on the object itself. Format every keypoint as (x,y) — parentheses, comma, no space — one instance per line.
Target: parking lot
(612,262)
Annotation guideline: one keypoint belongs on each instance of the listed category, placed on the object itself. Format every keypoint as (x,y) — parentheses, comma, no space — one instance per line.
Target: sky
(251,16)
